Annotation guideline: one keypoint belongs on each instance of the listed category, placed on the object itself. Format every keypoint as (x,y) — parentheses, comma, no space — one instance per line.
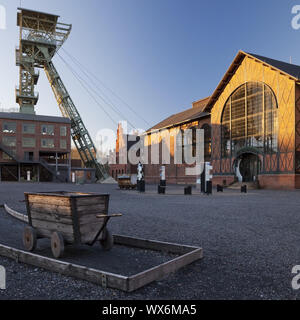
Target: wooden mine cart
(127,182)
(67,218)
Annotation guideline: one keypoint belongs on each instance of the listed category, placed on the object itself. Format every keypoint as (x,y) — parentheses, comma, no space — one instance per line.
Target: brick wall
(175,173)
(38,136)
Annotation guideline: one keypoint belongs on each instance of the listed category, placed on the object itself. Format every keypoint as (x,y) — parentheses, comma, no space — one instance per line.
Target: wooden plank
(91,201)
(75,220)
(51,208)
(153,245)
(89,231)
(89,219)
(51,217)
(96,208)
(64,229)
(52,200)
(153,274)
(123,283)
(68,194)
(113,281)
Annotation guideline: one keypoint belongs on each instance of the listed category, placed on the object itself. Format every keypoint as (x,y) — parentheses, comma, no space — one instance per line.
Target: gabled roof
(290,70)
(185,116)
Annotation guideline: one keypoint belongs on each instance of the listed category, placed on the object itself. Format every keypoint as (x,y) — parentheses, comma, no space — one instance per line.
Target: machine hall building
(251,123)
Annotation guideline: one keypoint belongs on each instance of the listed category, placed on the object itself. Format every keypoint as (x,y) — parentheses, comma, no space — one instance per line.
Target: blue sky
(157,55)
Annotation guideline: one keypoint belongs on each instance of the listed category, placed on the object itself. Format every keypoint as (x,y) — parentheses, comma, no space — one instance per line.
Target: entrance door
(249,167)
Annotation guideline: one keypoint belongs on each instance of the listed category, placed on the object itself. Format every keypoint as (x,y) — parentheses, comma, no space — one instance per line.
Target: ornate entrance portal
(248,167)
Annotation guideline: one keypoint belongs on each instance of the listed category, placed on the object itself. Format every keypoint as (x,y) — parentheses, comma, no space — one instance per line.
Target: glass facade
(250,120)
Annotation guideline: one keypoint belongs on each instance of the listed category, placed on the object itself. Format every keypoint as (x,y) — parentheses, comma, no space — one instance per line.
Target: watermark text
(2,278)
(2,17)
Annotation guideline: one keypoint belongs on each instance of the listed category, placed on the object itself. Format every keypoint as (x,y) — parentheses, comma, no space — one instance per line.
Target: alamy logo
(296,18)
(2,278)
(296,279)
(2,17)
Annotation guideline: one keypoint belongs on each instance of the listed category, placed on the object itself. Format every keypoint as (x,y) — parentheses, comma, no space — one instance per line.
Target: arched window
(207,142)
(250,120)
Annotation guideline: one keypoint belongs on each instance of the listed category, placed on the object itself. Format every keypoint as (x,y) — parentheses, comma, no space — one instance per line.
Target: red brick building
(40,145)
(123,144)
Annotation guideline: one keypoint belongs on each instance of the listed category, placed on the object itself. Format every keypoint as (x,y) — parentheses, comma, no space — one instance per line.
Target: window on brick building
(28,156)
(9,141)
(207,142)
(9,127)
(63,131)
(47,130)
(28,142)
(28,128)
(47,143)
(63,144)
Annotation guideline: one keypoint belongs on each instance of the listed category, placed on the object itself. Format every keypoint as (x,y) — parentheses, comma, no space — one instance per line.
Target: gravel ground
(250,244)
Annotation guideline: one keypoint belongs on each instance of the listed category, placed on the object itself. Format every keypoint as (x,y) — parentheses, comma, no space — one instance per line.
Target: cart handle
(101,216)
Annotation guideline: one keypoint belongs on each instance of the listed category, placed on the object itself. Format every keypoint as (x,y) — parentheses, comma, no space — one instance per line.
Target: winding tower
(41,36)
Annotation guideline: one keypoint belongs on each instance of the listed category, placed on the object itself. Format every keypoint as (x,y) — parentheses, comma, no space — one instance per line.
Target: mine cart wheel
(107,241)
(29,238)
(57,245)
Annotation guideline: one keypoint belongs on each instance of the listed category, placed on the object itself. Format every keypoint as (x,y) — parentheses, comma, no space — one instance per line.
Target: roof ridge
(264,57)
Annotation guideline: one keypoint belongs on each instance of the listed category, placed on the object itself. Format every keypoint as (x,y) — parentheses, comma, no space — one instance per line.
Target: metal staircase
(46,165)
(8,152)
(42,162)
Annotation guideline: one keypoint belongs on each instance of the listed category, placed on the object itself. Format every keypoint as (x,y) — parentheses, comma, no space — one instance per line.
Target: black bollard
(142,186)
(163,183)
(244,189)
(161,190)
(209,188)
(188,191)
(220,188)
